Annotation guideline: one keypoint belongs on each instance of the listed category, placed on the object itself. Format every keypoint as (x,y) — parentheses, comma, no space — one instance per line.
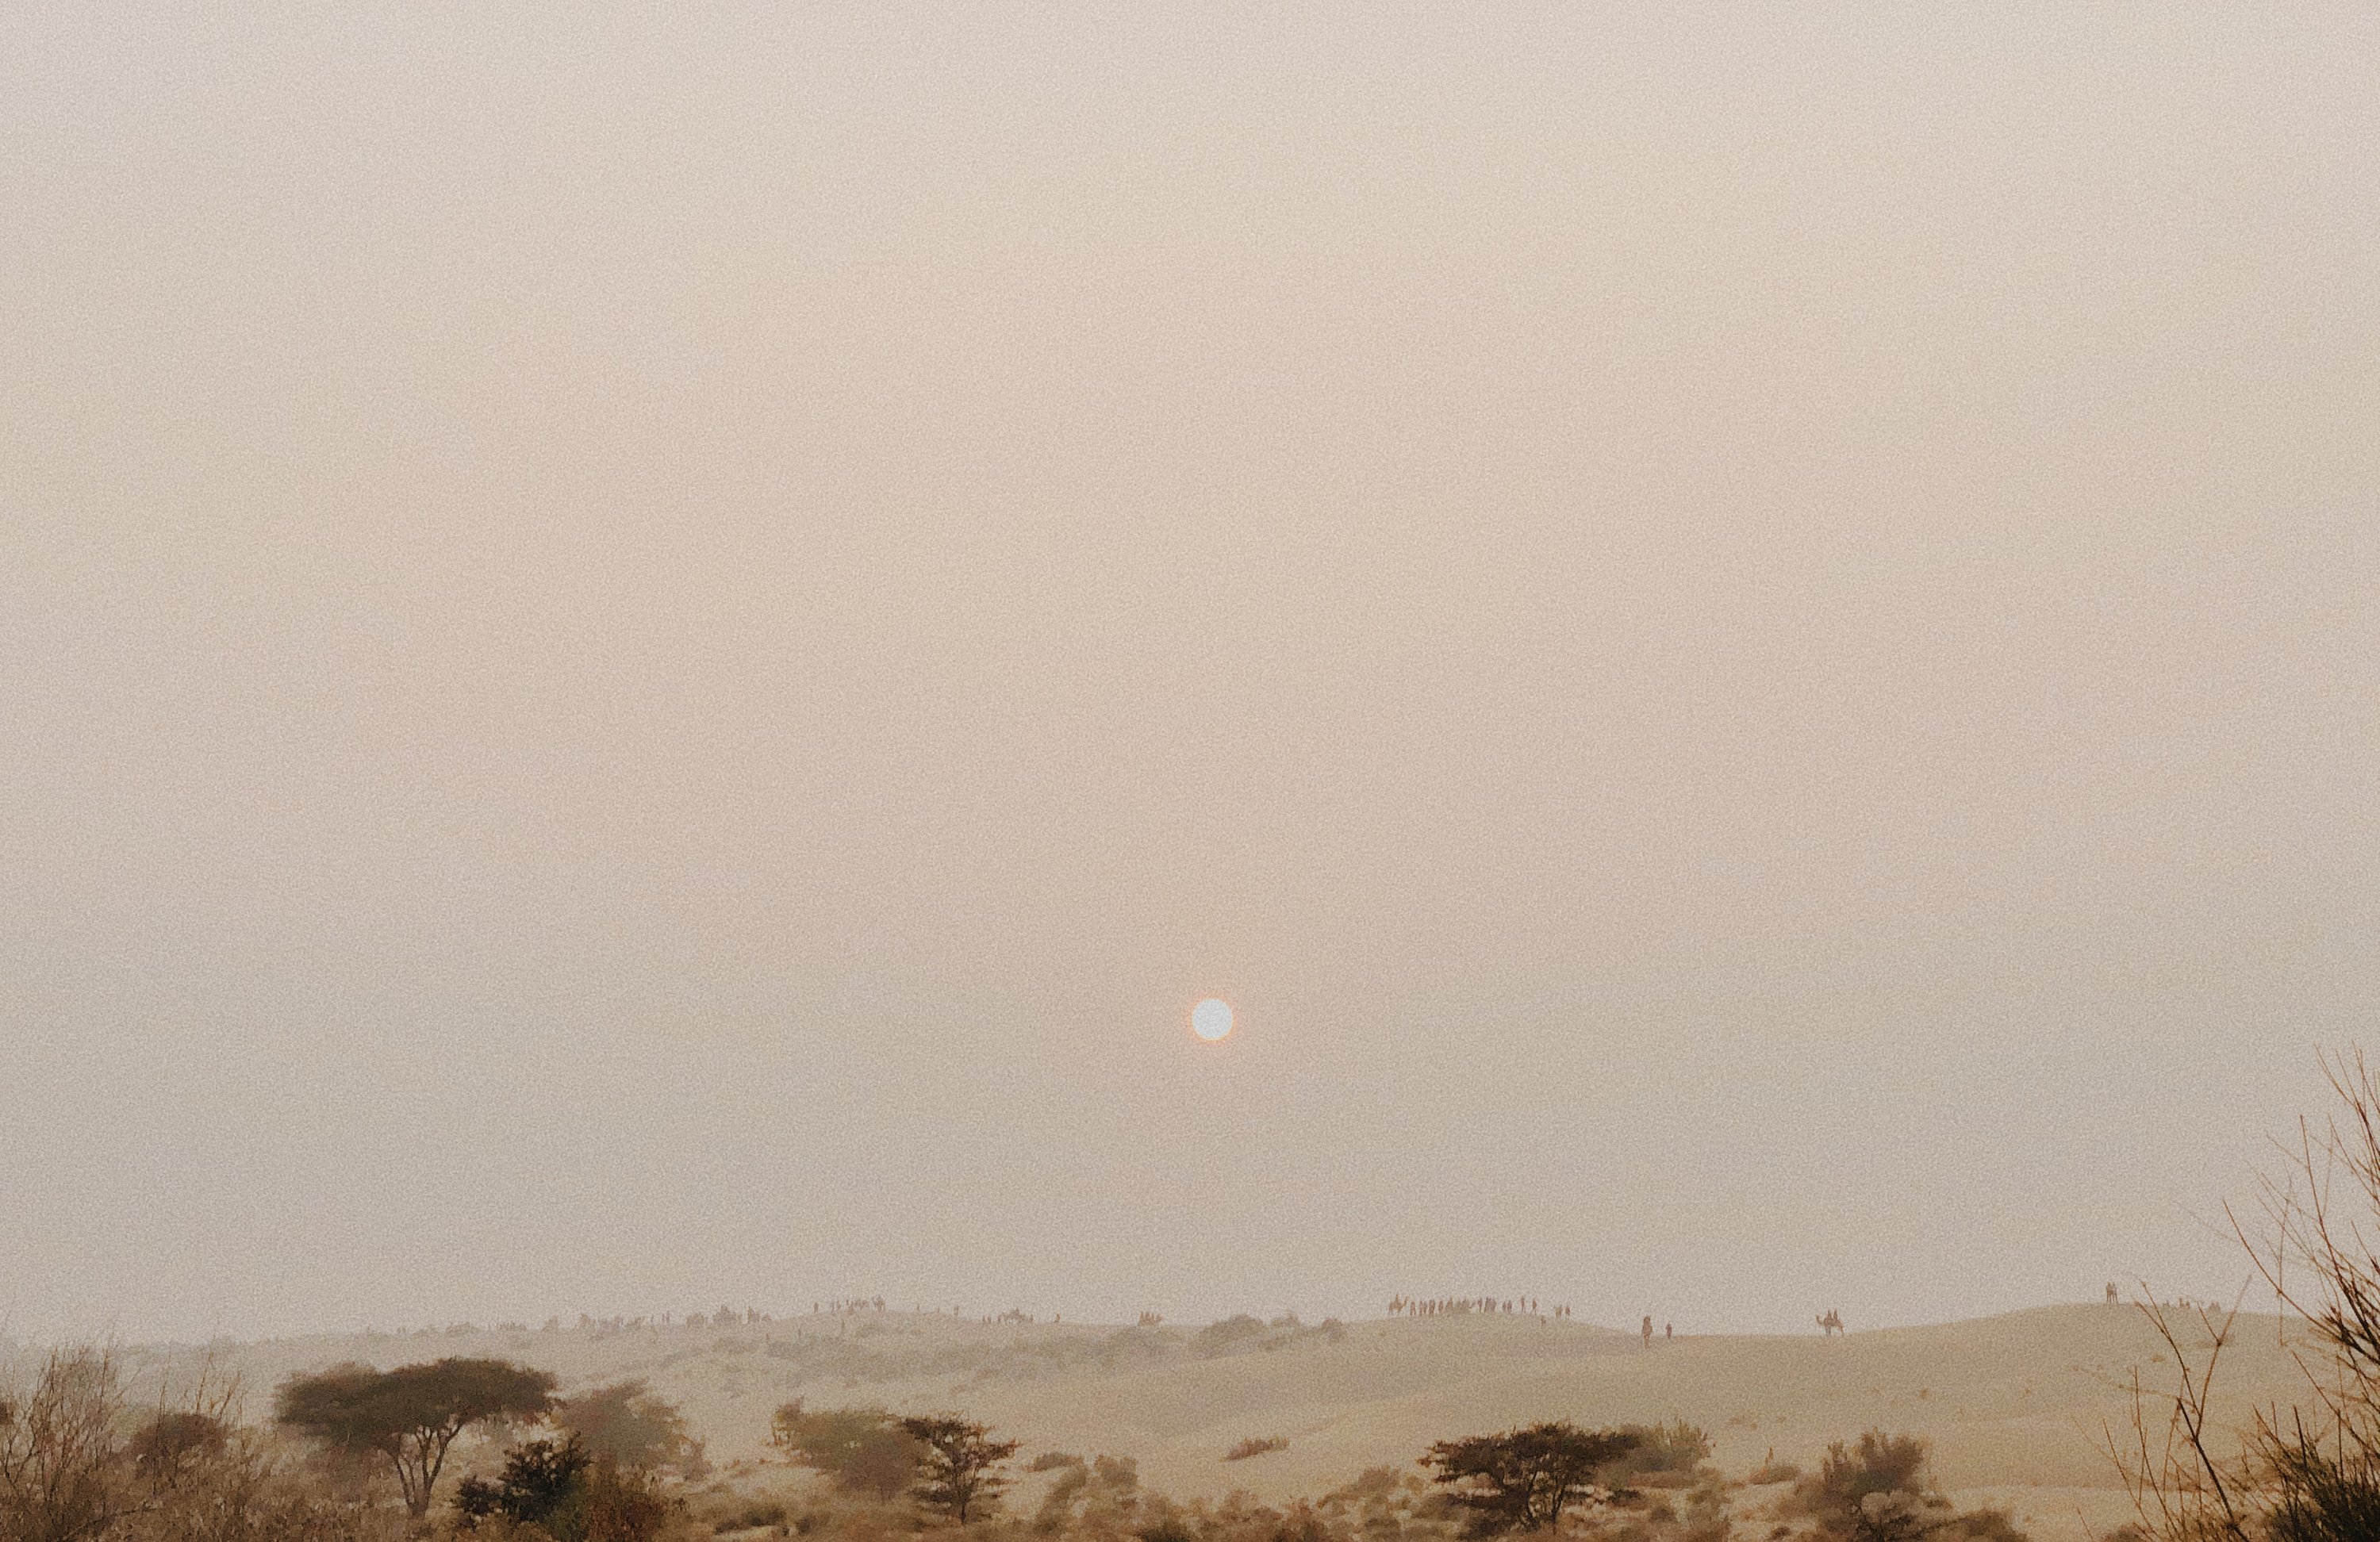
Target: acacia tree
(1522,1479)
(625,1422)
(961,1465)
(410,1415)
(864,1451)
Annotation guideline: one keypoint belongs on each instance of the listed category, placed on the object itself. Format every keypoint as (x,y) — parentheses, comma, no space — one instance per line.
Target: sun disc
(1211,1019)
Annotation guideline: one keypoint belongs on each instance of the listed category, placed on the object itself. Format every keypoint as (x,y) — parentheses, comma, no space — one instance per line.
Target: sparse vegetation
(192,1472)
(77,1465)
(1665,1456)
(866,1473)
(748,1515)
(862,1451)
(1523,1479)
(1101,1496)
(61,1456)
(1878,1490)
(412,1416)
(539,1479)
(2308,1472)
(627,1423)
(959,1469)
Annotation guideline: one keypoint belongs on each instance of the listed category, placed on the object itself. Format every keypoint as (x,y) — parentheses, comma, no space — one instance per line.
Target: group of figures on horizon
(724,1317)
(1830,1323)
(1667,1330)
(1456,1305)
(851,1305)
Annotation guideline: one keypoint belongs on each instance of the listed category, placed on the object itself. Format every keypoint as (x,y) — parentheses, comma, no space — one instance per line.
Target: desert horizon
(1538,772)
(2012,1405)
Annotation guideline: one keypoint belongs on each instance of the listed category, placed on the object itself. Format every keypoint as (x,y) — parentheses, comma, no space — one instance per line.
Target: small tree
(626,1422)
(961,1468)
(410,1415)
(539,1479)
(557,1486)
(174,1442)
(1522,1479)
(862,1451)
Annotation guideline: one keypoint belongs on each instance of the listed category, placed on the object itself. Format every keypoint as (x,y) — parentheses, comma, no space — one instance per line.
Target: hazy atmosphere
(647,654)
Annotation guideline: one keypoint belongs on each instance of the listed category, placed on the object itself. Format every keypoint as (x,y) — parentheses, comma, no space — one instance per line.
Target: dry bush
(1879,1463)
(1100,1499)
(64,1473)
(2309,1471)
(862,1450)
(1880,1489)
(750,1516)
(1257,1445)
(77,1465)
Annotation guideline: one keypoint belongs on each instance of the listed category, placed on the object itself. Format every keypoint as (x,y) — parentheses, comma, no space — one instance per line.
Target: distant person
(1647,1331)
(1668,1332)
(2113,1299)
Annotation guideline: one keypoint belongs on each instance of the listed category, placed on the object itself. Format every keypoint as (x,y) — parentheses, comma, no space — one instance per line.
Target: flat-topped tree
(1522,1479)
(410,1414)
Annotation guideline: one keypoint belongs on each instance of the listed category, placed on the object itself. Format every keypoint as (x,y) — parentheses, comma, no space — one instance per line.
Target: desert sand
(2013,1404)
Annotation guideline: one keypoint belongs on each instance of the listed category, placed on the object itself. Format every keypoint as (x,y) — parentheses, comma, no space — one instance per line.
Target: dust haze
(647,654)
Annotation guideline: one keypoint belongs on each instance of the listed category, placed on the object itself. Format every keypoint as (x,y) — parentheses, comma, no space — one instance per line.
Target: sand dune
(2012,1402)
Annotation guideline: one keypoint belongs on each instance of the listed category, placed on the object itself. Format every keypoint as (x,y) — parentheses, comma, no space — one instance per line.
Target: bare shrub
(1879,1463)
(77,1466)
(63,1473)
(2309,1471)
(1665,1456)
(1880,1489)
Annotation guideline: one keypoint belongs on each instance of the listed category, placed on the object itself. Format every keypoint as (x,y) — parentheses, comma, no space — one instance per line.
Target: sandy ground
(2012,1404)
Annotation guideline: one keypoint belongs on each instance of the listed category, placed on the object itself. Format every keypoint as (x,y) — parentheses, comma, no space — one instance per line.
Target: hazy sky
(645,653)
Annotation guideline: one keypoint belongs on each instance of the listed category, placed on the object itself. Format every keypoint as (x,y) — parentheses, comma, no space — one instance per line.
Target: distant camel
(1831,1324)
